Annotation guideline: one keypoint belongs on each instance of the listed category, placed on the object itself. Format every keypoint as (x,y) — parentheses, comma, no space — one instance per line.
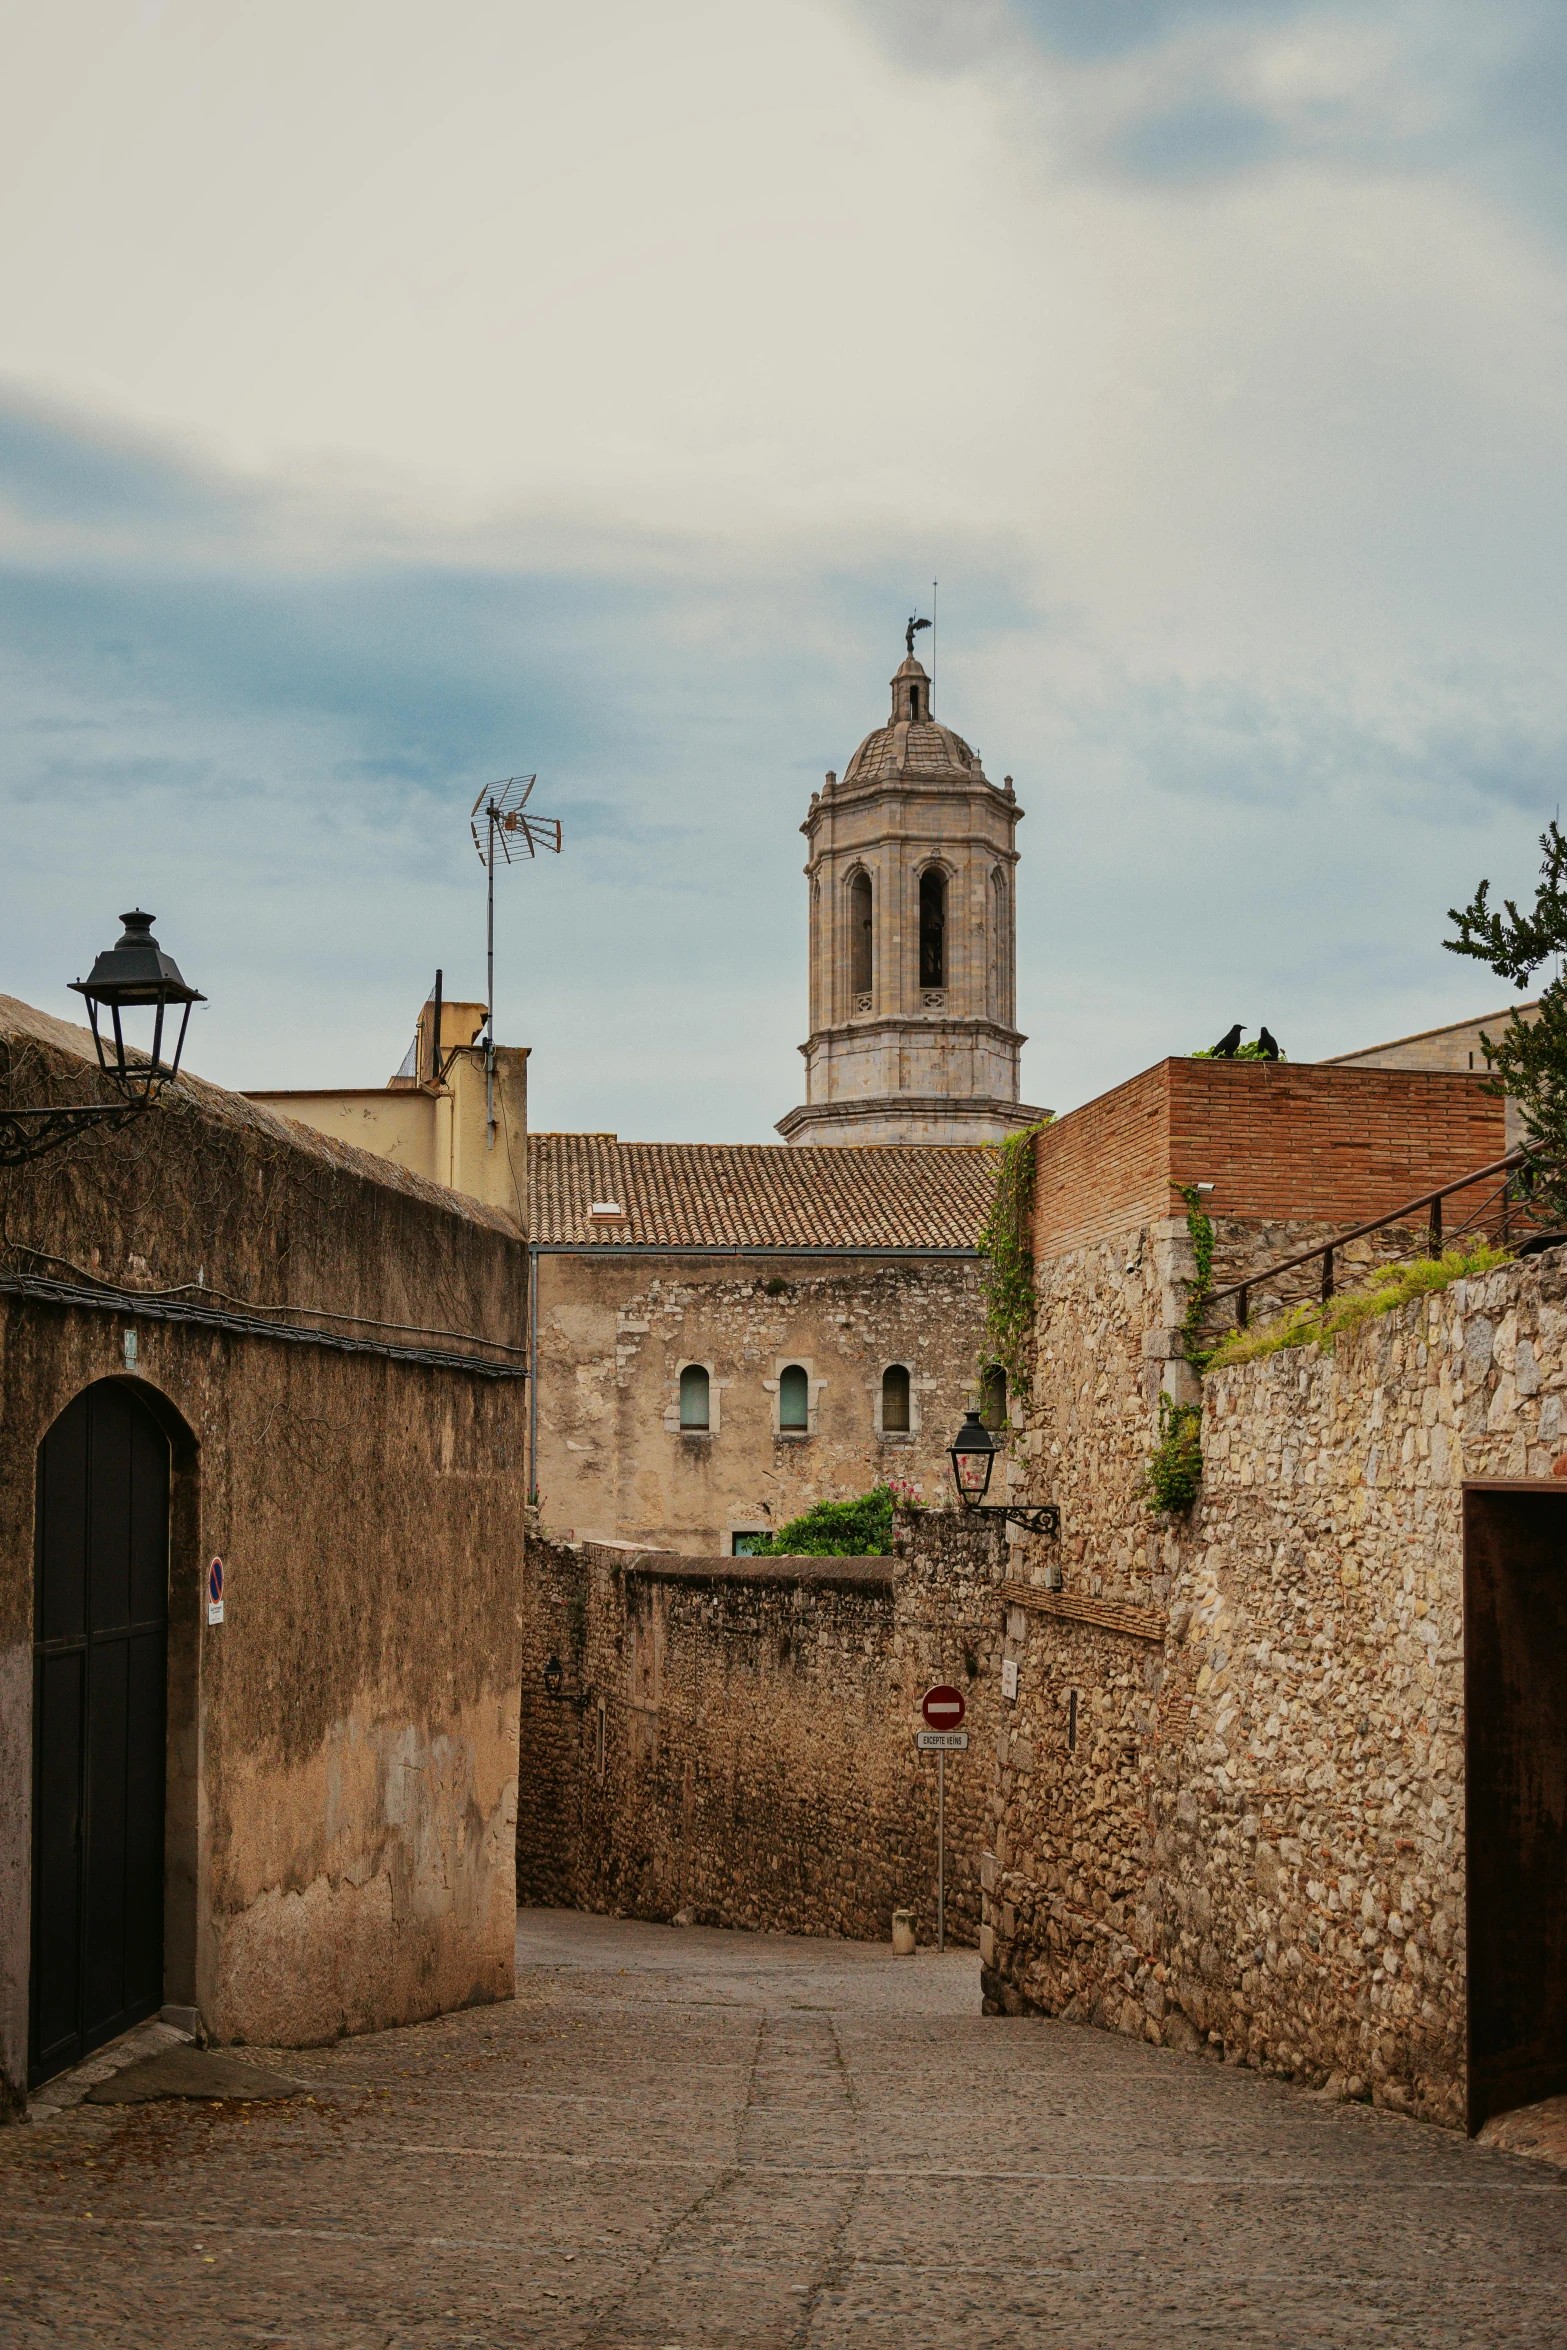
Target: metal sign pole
(941,1849)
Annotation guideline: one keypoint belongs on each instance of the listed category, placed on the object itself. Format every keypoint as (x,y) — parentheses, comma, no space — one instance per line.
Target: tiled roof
(758,1194)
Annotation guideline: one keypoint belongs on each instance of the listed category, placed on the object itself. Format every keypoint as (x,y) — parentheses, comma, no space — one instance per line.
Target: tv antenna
(502,829)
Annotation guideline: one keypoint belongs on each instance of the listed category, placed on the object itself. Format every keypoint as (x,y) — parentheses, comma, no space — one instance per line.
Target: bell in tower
(913,957)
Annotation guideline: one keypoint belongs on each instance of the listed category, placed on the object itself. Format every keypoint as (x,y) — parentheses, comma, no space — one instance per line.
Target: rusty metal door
(100,1657)
(1515,1702)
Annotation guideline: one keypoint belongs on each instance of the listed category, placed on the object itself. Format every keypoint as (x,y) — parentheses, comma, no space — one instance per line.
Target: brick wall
(1106,1166)
(1313,1141)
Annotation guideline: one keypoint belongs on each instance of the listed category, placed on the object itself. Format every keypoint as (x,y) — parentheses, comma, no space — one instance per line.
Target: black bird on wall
(1228,1044)
(1267,1044)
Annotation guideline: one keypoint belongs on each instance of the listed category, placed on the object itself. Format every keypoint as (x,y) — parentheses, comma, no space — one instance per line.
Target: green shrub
(1173,1476)
(837,1530)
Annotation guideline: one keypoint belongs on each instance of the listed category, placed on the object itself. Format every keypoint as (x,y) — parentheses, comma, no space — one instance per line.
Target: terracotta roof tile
(758,1195)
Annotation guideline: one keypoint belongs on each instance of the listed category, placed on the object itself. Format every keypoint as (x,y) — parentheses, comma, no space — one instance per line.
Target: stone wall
(1255,1846)
(342,1749)
(616,1330)
(732,1741)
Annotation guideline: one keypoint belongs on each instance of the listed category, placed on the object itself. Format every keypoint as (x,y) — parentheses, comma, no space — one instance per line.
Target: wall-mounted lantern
(972,1453)
(134,975)
(554,1678)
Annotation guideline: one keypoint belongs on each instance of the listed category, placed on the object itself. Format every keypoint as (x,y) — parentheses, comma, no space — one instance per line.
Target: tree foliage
(837,1529)
(1529,1059)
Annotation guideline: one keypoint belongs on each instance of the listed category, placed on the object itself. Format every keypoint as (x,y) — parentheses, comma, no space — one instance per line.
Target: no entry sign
(943,1706)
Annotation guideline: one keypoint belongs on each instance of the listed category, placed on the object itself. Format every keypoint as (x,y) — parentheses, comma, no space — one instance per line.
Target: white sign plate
(941,1741)
(1009,1676)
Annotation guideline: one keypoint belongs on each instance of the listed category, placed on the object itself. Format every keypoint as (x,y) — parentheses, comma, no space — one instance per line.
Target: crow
(1268,1045)
(1225,1049)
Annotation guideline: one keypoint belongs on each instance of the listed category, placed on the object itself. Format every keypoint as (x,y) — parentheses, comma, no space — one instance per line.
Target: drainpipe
(533,1372)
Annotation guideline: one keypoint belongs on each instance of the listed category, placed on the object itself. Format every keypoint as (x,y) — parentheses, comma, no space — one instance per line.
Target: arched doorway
(100,1673)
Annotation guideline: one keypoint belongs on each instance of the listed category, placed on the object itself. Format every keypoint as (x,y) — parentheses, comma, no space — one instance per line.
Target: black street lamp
(972,1453)
(134,975)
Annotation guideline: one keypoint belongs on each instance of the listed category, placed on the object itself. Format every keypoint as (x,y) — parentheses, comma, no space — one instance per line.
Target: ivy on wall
(1200,1227)
(1173,1477)
(1007,1246)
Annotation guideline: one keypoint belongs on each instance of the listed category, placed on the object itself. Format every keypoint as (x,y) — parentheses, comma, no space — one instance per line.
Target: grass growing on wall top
(1394,1286)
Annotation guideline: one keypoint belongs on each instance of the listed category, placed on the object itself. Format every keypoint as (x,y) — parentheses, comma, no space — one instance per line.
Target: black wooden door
(100,1654)
(1515,1740)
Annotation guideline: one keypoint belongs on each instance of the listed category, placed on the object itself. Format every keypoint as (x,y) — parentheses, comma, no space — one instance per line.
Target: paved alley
(706,2139)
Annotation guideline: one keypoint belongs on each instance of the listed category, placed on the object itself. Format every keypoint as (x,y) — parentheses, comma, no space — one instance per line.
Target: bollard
(903,1933)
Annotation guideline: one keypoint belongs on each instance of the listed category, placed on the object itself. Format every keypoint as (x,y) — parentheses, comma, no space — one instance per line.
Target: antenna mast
(510,834)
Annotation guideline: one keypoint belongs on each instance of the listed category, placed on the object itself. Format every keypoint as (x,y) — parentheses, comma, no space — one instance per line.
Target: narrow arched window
(895,1400)
(933,928)
(993,1397)
(861,960)
(794,1397)
(693,1396)
(997,960)
(914,701)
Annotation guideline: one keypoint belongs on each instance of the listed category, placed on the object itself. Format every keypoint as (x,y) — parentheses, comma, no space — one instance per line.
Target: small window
(914,701)
(933,928)
(693,1396)
(993,1397)
(746,1546)
(895,1400)
(794,1398)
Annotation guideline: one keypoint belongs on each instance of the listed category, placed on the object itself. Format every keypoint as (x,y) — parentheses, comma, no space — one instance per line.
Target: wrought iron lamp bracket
(27,1134)
(1036,1517)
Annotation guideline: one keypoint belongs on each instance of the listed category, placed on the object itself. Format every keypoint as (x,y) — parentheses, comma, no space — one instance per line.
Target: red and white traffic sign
(943,1706)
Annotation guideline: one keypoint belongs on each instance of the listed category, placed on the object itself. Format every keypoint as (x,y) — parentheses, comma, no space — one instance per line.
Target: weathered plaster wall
(615,1332)
(342,1750)
(1254,1845)
(734,1739)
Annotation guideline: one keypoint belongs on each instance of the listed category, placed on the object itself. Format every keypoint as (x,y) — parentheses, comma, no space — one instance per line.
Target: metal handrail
(1241,1290)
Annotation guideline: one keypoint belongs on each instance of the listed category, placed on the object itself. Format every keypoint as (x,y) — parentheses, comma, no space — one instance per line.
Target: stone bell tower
(913,963)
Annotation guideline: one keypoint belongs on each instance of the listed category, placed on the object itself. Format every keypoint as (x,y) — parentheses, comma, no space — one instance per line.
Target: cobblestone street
(699,2139)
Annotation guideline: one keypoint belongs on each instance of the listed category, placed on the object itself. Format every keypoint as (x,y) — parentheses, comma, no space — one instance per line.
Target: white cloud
(403,394)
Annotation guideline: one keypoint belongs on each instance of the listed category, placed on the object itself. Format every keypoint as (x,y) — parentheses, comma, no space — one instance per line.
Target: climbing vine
(1173,1476)
(1201,1229)
(1007,1247)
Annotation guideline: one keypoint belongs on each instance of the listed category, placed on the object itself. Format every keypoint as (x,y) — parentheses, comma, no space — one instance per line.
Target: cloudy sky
(394,396)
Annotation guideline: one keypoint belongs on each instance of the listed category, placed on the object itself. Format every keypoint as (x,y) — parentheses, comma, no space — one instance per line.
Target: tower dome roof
(911,747)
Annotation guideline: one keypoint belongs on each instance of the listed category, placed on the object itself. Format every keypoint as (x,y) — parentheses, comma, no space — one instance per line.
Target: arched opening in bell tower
(933,927)
(861,915)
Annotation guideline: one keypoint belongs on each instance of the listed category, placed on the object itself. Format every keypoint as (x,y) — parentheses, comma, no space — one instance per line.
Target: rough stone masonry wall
(342,1750)
(1256,1848)
(733,1741)
(615,1331)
